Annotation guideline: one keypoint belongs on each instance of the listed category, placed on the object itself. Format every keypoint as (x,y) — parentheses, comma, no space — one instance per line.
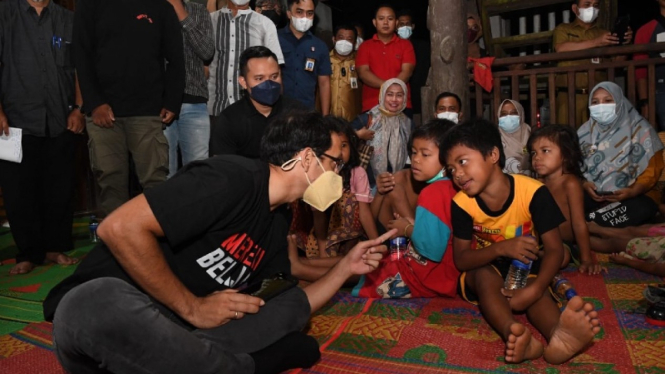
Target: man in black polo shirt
(130,62)
(37,95)
(160,295)
(238,129)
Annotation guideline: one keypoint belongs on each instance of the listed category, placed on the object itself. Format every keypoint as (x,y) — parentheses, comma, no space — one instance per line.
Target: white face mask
(604,114)
(510,123)
(359,41)
(240,2)
(343,47)
(450,116)
(588,15)
(405,32)
(302,24)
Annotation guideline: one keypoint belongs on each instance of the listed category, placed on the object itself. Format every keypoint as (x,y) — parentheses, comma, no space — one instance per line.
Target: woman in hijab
(514,136)
(623,157)
(386,128)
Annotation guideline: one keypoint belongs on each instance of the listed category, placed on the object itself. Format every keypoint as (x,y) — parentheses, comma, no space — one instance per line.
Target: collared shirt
(232,36)
(385,61)
(199,48)
(576,32)
(119,51)
(239,128)
(345,98)
(305,59)
(37,75)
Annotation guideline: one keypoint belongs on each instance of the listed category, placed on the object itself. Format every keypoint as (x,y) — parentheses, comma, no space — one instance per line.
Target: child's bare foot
(577,326)
(23,267)
(60,258)
(521,345)
(620,258)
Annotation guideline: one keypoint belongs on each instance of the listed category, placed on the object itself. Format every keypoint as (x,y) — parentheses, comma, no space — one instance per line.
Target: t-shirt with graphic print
(219,231)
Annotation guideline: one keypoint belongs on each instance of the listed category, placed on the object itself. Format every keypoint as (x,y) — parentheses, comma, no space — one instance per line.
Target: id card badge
(309,64)
(354,83)
(595,60)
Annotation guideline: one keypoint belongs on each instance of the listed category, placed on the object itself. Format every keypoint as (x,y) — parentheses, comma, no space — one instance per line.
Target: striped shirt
(198,46)
(232,36)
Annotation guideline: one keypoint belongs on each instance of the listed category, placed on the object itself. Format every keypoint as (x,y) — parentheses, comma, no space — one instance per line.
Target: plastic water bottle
(517,275)
(93,229)
(563,288)
(397,248)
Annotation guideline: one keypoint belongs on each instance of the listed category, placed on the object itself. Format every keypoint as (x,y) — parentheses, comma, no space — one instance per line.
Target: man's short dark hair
(289,3)
(384,6)
(443,95)
(292,132)
(434,130)
(346,26)
(478,134)
(405,12)
(258,51)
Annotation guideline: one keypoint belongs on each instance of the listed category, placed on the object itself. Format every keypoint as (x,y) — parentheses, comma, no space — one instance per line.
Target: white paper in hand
(10,146)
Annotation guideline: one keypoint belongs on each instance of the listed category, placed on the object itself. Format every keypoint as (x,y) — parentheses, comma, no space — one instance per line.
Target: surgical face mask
(509,124)
(272,15)
(266,92)
(359,41)
(450,116)
(604,114)
(438,176)
(588,15)
(325,190)
(343,47)
(302,24)
(240,2)
(405,32)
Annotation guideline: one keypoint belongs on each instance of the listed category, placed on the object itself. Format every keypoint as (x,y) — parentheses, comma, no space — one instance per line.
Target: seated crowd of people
(247,110)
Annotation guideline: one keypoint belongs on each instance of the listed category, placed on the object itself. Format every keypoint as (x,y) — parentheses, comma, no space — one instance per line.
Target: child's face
(469,169)
(425,163)
(346,148)
(546,157)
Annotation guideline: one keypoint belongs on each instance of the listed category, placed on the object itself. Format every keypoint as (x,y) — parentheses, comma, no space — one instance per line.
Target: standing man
(421,48)
(129,59)
(583,33)
(307,63)
(346,99)
(38,95)
(191,131)
(271,9)
(239,128)
(383,57)
(236,27)
(652,32)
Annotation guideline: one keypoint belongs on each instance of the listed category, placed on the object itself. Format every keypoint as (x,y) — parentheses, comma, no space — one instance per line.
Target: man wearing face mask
(421,48)
(583,33)
(448,106)
(172,260)
(235,27)
(238,129)
(307,63)
(271,9)
(344,82)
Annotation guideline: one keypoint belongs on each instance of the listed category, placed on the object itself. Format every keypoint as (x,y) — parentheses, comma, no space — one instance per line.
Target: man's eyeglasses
(339,163)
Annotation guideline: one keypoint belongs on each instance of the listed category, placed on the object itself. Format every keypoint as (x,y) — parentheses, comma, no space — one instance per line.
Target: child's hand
(523,298)
(399,223)
(385,183)
(523,248)
(365,134)
(591,268)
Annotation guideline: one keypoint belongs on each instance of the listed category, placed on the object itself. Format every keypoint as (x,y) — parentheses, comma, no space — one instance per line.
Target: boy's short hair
(290,3)
(434,130)
(258,51)
(443,95)
(478,134)
(346,26)
(292,132)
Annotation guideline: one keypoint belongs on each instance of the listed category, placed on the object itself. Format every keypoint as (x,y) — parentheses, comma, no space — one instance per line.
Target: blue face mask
(405,32)
(509,124)
(266,92)
(440,175)
(604,114)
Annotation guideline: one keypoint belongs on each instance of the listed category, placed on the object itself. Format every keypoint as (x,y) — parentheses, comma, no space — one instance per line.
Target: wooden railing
(533,78)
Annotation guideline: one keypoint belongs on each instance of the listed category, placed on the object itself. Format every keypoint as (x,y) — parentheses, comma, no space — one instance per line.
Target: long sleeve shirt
(199,47)
(129,54)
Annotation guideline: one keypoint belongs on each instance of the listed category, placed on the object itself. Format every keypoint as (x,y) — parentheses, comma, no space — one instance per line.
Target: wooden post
(446,21)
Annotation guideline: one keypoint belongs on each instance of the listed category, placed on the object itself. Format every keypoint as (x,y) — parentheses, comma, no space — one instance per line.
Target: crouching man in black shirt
(159,296)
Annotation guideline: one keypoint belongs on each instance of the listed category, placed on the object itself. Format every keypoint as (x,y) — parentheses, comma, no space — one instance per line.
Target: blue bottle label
(399,241)
(520,265)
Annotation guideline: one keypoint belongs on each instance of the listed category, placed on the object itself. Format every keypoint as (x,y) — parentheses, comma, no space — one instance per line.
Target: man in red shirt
(652,32)
(383,57)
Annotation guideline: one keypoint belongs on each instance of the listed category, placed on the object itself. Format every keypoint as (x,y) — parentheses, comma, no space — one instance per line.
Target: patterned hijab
(514,144)
(616,154)
(391,133)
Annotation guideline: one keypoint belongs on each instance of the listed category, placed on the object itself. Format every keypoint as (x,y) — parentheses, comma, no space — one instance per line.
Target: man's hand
(167,116)
(523,298)
(76,121)
(607,39)
(523,248)
(385,183)
(221,307)
(365,256)
(4,124)
(103,116)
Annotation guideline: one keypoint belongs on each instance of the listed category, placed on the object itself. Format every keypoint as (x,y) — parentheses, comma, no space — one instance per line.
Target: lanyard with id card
(309,64)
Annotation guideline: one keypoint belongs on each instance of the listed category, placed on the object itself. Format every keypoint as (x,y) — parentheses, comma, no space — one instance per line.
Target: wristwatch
(74,107)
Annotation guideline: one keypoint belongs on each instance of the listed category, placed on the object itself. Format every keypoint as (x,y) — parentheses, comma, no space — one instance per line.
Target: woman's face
(508,109)
(394,98)
(601,96)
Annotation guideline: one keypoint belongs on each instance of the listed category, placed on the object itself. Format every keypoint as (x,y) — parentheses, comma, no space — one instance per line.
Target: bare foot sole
(521,345)
(60,258)
(577,326)
(23,267)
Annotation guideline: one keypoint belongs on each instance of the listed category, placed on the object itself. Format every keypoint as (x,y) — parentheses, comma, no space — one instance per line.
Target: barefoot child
(556,158)
(427,269)
(502,214)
